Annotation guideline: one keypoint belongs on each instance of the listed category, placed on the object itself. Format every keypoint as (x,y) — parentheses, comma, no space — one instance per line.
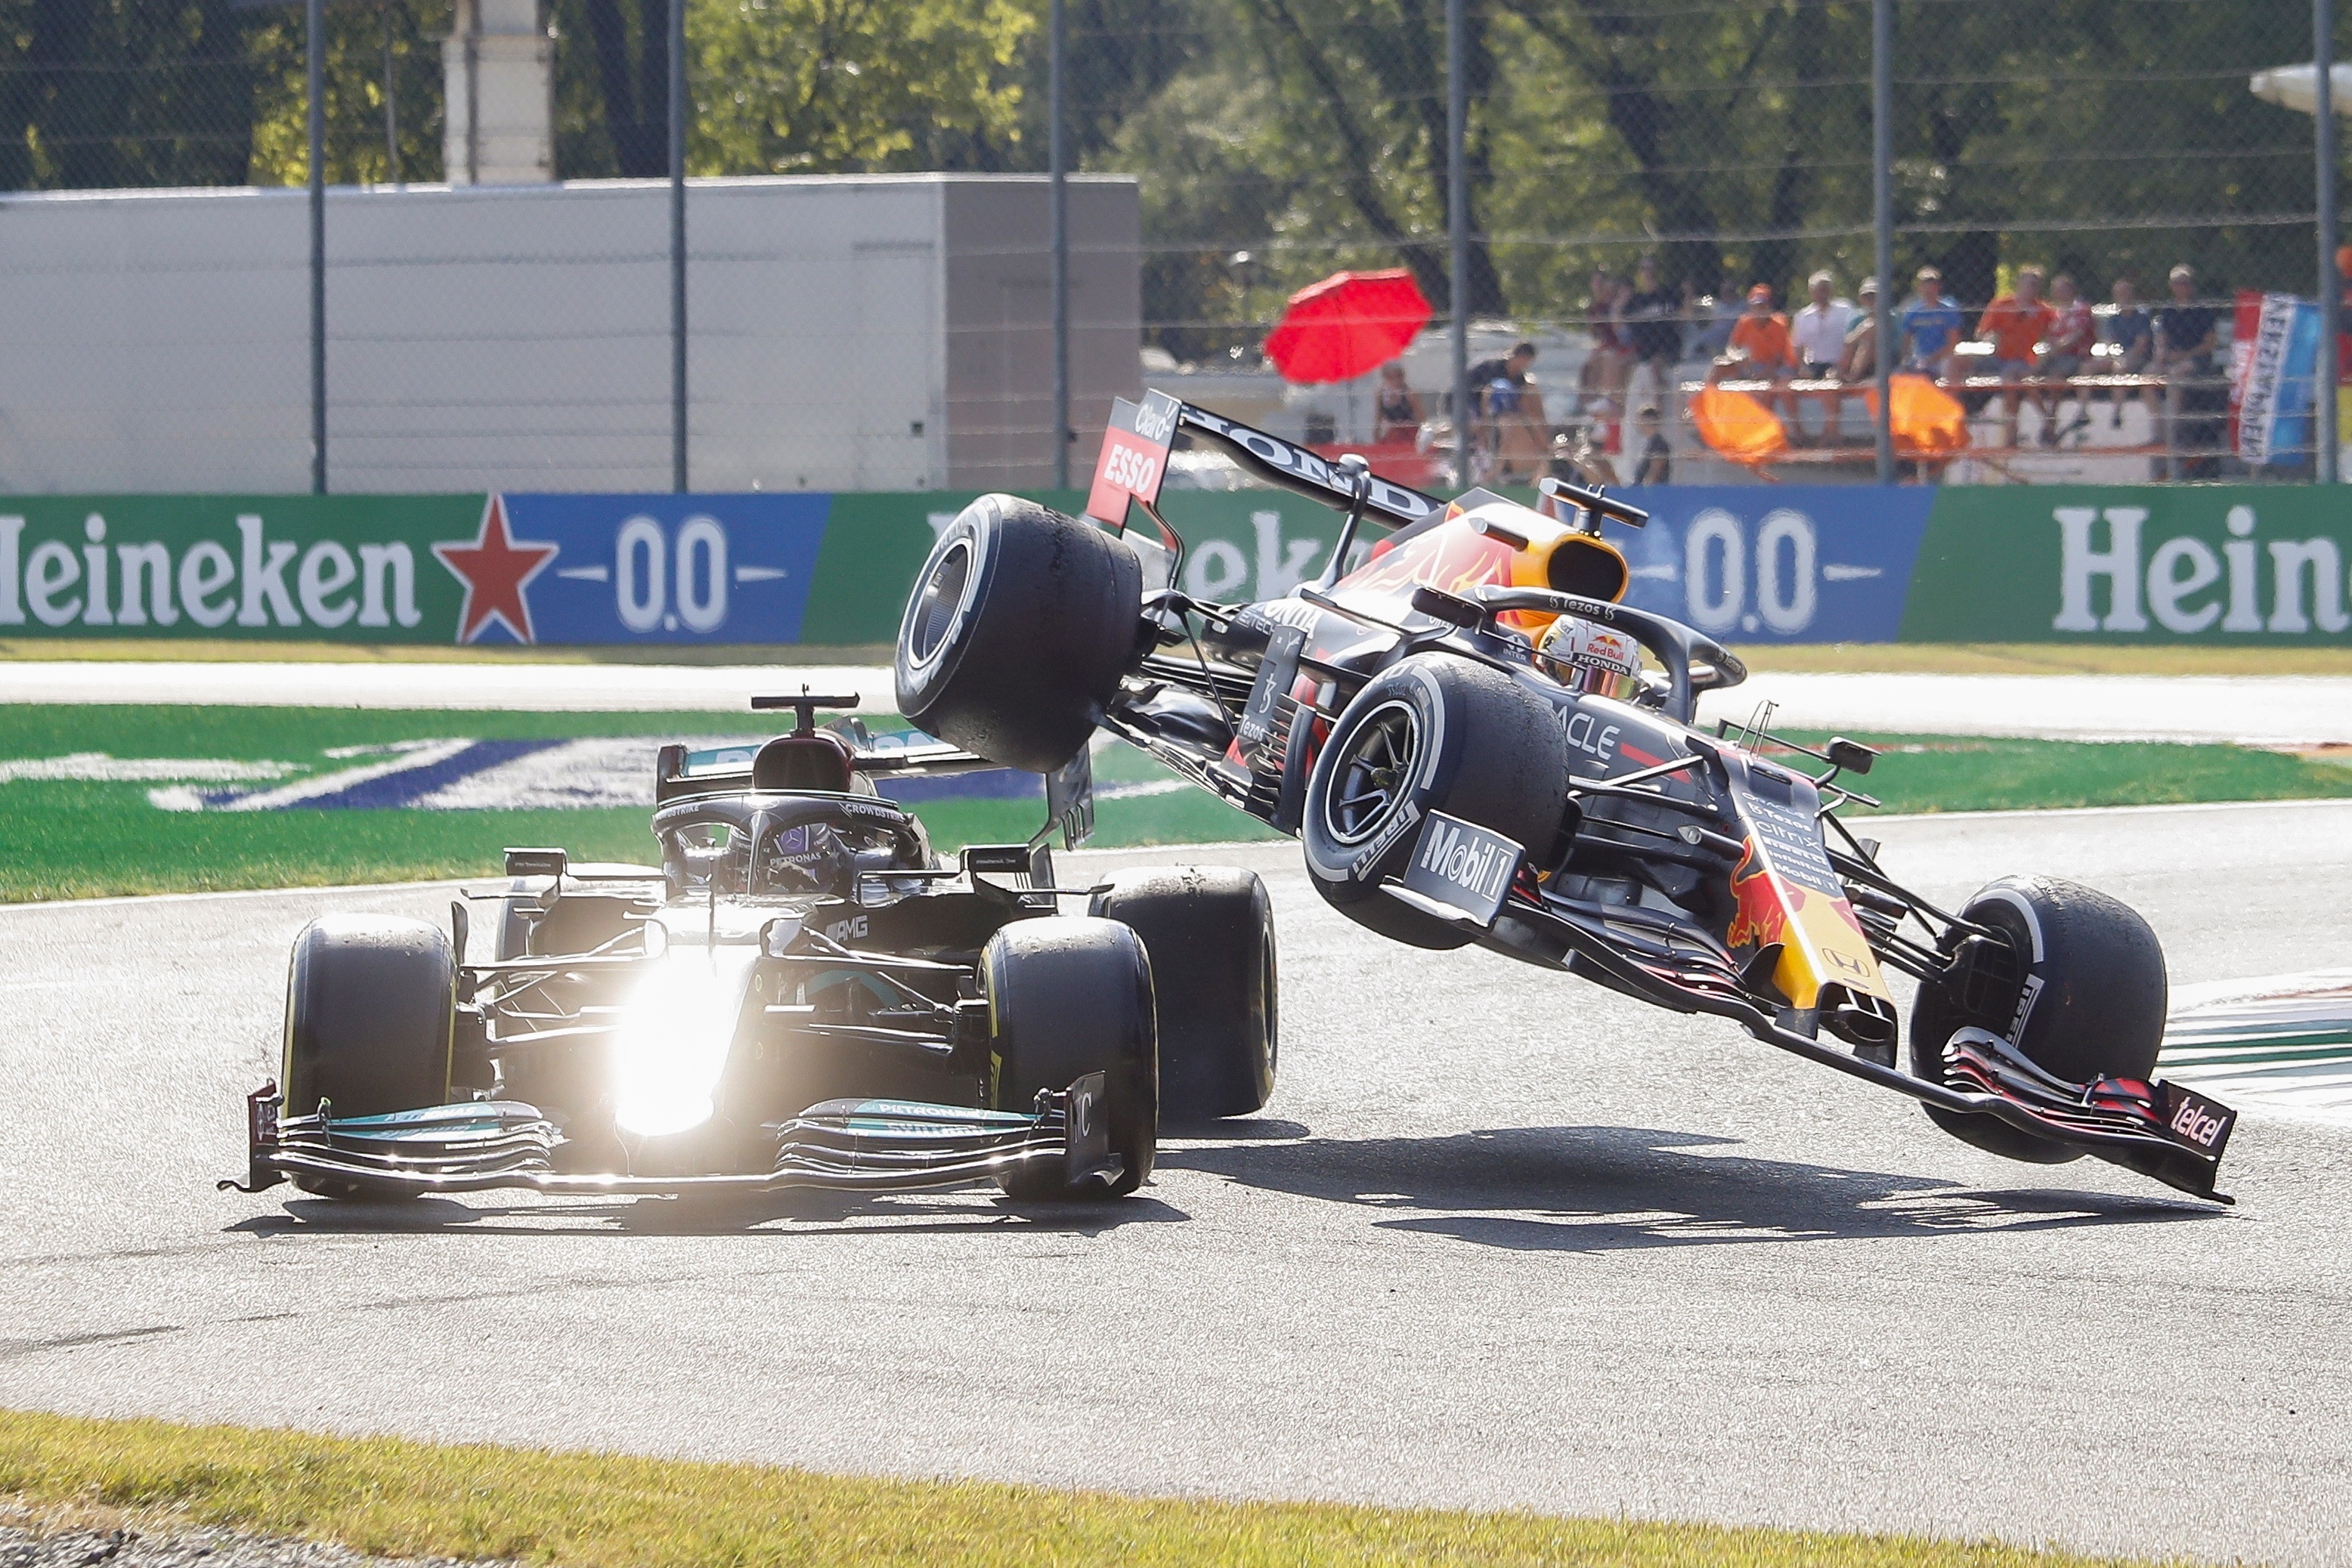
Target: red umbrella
(1346,325)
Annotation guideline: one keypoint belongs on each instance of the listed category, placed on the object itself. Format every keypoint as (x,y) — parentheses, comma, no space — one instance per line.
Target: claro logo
(255,580)
(2286,587)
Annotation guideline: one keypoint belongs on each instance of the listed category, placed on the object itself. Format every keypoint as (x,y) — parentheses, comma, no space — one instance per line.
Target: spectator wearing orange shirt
(2016,324)
(1760,347)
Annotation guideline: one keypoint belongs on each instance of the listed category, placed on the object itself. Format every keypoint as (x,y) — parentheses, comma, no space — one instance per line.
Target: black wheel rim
(942,596)
(1373,774)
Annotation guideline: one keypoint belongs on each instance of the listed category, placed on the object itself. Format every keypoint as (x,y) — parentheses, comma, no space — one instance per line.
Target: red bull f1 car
(1476,741)
(799,995)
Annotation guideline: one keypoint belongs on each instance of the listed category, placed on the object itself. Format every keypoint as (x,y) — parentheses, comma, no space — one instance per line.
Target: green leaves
(796,87)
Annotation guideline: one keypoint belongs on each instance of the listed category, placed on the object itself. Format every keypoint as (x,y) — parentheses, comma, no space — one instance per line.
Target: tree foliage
(1279,140)
(792,87)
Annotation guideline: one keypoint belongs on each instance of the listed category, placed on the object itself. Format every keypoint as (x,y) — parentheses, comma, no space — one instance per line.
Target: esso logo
(1130,470)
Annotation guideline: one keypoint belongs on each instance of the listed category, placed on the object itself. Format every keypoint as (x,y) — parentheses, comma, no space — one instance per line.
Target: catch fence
(1630,172)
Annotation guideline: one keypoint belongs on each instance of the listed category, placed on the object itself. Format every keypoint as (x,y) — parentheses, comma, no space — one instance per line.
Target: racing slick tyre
(2088,999)
(1022,623)
(1071,995)
(371,1002)
(1431,733)
(1209,932)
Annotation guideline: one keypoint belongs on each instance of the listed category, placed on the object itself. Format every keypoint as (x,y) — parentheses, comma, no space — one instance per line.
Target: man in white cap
(1819,333)
(1820,328)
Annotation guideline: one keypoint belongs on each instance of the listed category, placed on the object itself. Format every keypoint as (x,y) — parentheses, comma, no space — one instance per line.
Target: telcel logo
(2195,1124)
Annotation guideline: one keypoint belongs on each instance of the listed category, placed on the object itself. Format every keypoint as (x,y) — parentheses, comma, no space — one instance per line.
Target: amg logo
(2198,1125)
(853,929)
(1384,841)
(1481,868)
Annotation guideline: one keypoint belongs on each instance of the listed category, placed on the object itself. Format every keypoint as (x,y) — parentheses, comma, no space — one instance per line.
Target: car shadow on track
(1599,1190)
(775,1217)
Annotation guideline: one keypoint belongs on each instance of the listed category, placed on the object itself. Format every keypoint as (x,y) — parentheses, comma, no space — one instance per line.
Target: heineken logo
(571,569)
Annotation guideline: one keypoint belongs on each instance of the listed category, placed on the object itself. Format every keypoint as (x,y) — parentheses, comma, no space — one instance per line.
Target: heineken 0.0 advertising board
(1747,564)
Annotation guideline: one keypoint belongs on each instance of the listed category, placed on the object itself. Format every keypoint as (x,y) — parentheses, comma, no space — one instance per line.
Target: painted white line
(98,768)
(549,689)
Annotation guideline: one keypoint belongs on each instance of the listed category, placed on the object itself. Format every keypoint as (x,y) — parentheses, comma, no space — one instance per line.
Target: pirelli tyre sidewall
(1070,995)
(1020,627)
(1209,933)
(1485,748)
(2090,1000)
(370,1003)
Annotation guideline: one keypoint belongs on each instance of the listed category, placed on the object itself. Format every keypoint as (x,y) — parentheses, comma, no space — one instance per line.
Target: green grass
(1936,658)
(83,840)
(1926,773)
(589,1511)
(68,839)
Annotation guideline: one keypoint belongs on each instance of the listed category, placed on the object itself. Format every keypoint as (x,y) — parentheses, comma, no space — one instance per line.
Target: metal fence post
(677,246)
(1882,201)
(2331,284)
(1457,225)
(314,87)
(1058,200)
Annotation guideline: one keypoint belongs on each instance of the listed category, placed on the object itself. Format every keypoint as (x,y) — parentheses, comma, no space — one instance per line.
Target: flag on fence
(2275,355)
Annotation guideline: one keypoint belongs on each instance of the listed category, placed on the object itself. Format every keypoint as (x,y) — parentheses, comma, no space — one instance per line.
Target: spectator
(1580,458)
(2015,324)
(1602,380)
(1510,411)
(2134,335)
(1818,332)
(1396,411)
(2186,337)
(1858,360)
(1654,328)
(2185,330)
(1819,329)
(2068,351)
(1760,347)
(1657,463)
(1930,327)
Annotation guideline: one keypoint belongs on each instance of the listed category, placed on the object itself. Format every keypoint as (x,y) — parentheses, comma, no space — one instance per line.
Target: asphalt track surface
(1501,1241)
(2261,710)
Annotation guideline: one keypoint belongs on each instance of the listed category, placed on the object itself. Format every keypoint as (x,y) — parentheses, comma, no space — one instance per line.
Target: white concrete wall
(516,336)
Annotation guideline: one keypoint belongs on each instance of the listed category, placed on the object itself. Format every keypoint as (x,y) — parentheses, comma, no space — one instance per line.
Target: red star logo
(495,570)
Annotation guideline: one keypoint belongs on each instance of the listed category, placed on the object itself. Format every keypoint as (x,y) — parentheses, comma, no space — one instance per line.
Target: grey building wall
(1000,380)
(851,333)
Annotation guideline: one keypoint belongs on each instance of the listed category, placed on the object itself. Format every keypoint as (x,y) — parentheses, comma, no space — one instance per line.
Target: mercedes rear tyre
(2076,983)
(1431,733)
(371,1002)
(1071,995)
(1209,931)
(1021,626)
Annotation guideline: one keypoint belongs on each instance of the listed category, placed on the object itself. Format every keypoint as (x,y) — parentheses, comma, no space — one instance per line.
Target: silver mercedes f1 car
(800,994)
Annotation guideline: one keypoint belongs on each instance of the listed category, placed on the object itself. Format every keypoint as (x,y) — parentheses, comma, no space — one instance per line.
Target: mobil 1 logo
(1463,866)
